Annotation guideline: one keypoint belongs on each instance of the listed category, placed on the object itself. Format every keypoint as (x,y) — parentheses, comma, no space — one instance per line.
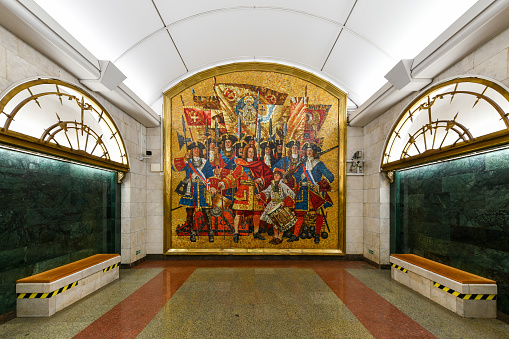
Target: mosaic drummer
(281,199)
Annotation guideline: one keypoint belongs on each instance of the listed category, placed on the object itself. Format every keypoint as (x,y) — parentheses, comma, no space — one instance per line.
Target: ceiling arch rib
(197,16)
(218,47)
(332,10)
(395,32)
(160,61)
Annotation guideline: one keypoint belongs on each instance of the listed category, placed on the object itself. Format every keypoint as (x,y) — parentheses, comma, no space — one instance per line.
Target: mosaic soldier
(267,156)
(250,140)
(280,196)
(279,149)
(250,177)
(228,151)
(313,182)
(239,148)
(289,163)
(229,157)
(247,140)
(196,195)
(214,157)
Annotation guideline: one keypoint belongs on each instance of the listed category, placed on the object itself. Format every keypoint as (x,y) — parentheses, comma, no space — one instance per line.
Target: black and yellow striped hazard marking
(110,268)
(399,268)
(466,296)
(45,295)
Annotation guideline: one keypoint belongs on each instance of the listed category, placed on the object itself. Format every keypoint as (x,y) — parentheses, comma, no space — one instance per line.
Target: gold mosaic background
(332,132)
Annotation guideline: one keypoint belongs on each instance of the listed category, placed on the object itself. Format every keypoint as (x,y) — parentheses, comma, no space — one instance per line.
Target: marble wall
(490,60)
(52,213)
(18,62)
(367,196)
(155,234)
(354,195)
(457,213)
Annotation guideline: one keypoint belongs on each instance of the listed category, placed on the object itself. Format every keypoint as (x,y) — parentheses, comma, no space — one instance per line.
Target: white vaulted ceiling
(157,43)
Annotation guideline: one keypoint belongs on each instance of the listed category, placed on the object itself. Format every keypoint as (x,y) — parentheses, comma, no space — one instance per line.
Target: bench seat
(466,294)
(43,294)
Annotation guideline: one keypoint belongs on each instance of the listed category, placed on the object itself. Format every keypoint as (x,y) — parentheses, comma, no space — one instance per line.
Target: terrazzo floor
(254,299)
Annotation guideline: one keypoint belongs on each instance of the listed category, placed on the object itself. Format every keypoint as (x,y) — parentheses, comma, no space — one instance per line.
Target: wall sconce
(356,164)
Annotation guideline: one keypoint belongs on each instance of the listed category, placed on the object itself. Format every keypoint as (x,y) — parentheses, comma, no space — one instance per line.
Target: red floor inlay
(129,317)
(380,317)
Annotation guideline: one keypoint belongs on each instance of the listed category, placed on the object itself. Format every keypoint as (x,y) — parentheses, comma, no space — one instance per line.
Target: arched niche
(58,118)
(453,117)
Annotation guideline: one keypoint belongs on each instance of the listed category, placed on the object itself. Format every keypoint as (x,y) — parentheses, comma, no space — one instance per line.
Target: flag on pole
(196,117)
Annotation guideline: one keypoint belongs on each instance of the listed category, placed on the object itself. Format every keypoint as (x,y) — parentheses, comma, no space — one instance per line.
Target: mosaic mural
(254,161)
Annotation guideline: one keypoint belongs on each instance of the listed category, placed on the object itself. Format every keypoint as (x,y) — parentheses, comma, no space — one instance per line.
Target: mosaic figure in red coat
(250,177)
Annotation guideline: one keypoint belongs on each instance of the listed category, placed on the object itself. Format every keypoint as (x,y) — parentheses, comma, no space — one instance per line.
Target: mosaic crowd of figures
(252,165)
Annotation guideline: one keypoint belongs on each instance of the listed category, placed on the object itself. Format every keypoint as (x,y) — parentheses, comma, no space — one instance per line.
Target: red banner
(196,117)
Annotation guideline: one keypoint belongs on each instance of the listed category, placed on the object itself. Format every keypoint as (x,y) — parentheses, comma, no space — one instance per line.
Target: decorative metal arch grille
(453,117)
(55,117)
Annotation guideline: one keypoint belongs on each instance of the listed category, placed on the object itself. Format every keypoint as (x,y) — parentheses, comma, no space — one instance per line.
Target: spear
(258,137)
(216,135)
(184,130)
(207,137)
(271,137)
(285,130)
(258,125)
(239,128)
(216,130)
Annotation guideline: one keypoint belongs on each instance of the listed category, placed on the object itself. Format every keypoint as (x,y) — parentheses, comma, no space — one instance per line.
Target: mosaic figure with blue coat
(289,163)
(229,157)
(313,181)
(196,194)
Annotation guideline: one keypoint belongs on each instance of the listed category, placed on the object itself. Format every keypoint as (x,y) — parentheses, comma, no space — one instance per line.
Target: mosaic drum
(219,204)
(282,217)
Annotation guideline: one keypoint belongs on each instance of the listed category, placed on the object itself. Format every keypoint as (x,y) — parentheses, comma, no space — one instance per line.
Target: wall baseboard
(7,316)
(379,266)
(134,263)
(503,317)
(348,257)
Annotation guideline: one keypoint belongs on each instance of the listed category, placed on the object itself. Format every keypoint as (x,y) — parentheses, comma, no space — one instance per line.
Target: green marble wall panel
(51,213)
(457,213)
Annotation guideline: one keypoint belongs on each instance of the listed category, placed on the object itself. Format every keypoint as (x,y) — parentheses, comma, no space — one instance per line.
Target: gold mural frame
(341,97)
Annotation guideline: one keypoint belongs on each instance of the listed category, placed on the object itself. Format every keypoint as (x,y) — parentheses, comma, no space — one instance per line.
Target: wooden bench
(43,294)
(466,294)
